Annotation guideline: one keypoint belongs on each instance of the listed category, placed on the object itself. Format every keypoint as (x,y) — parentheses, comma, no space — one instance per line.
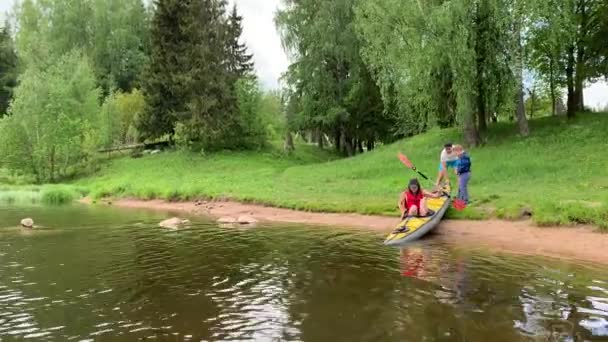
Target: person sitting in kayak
(413,201)
(448,159)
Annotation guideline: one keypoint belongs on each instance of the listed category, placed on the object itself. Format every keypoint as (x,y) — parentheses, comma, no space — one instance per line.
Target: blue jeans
(463,186)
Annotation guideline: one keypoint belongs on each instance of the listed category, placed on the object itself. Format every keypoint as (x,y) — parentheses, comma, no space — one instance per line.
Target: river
(109,274)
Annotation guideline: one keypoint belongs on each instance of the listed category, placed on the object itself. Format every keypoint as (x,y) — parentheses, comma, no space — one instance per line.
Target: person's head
(448,147)
(413,186)
(458,149)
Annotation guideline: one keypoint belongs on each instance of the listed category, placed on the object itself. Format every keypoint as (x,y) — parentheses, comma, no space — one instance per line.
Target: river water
(106,274)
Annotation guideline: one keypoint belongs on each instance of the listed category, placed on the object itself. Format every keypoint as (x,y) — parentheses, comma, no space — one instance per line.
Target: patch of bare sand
(580,243)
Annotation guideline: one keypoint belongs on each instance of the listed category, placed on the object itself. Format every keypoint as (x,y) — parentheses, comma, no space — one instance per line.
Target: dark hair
(414,181)
(448,145)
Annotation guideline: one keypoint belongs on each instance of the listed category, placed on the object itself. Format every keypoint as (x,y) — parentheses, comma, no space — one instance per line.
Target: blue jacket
(464,164)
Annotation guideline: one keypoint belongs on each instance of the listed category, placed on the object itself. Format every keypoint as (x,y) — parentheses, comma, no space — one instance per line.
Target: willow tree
(441,62)
(336,92)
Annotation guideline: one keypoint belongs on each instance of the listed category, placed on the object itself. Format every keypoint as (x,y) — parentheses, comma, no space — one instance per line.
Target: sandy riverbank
(579,243)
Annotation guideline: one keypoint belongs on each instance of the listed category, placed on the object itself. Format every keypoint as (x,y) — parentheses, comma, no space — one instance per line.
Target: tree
(518,8)
(191,84)
(240,62)
(598,47)
(165,84)
(441,62)
(546,48)
(119,48)
(112,33)
(329,78)
(8,68)
(253,130)
(50,131)
(119,115)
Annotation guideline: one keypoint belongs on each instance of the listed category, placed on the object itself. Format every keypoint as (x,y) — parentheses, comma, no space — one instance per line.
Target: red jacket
(413,199)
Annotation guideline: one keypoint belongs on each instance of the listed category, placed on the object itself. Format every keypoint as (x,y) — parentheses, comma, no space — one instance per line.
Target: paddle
(457,204)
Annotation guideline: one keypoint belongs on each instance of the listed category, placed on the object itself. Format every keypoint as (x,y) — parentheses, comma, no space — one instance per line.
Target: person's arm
(402,202)
(430,194)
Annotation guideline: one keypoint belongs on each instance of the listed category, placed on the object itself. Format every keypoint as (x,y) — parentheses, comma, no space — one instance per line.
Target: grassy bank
(559,174)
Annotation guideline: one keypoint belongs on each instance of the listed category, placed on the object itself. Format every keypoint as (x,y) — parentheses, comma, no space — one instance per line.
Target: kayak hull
(418,227)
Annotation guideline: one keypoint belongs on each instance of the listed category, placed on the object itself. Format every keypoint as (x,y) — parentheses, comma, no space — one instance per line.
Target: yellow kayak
(416,227)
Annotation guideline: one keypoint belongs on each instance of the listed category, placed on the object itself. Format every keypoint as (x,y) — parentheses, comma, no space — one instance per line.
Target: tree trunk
(571,110)
(337,139)
(288,145)
(481,112)
(360,146)
(347,145)
(52,165)
(319,138)
(370,145)
(579,76)
(481,100)
(520,111)
(552,86)
(471,135)
(532,101)
(522,121)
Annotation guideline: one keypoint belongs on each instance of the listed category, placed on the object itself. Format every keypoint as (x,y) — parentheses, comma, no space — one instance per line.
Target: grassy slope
(560,172)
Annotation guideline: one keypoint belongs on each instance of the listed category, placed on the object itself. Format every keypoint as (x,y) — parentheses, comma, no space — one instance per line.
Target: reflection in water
(114,276)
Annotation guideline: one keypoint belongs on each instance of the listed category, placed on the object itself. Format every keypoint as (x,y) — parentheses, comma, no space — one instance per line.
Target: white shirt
(445,157)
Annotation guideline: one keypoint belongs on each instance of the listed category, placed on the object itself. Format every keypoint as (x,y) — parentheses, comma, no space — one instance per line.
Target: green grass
(46,194)
(59,195)
(560,173)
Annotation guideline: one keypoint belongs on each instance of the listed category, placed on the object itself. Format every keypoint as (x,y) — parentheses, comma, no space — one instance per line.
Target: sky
(260,35)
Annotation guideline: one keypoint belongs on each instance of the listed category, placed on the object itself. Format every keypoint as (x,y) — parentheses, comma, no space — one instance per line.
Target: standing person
(447,159)
(463,170)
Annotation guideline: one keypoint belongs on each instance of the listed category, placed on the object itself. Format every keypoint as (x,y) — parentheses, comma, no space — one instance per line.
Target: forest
(77,76)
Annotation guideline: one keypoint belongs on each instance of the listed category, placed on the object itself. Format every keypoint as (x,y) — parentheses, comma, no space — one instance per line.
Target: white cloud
(260,35)
(596,95)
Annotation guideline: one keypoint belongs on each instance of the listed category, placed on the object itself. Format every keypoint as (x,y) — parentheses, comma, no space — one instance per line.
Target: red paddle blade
(405,161)
(459,204)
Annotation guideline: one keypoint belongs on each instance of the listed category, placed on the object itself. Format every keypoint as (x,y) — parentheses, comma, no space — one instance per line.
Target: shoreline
(519,237)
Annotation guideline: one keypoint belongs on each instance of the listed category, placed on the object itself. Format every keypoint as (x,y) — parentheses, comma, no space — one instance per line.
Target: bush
(119,116)
(50,133)
(57,196)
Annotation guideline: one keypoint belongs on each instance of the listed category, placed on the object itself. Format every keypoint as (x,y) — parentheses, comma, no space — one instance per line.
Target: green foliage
(558,174)
(328,81)
(112,33)
(442,62)
(197,59)
(272,115)
(8,68)
(253,132)
(119,42)
(58,196)
(50,132)
(119,116)
(240,62)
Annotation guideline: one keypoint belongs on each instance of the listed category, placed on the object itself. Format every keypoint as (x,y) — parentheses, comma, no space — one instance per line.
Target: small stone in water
(27,223)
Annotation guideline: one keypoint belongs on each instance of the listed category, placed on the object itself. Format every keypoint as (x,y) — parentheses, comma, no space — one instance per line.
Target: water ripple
(119,277)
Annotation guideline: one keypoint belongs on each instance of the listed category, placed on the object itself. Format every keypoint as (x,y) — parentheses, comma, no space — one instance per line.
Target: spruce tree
(167,81)
(240,62)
